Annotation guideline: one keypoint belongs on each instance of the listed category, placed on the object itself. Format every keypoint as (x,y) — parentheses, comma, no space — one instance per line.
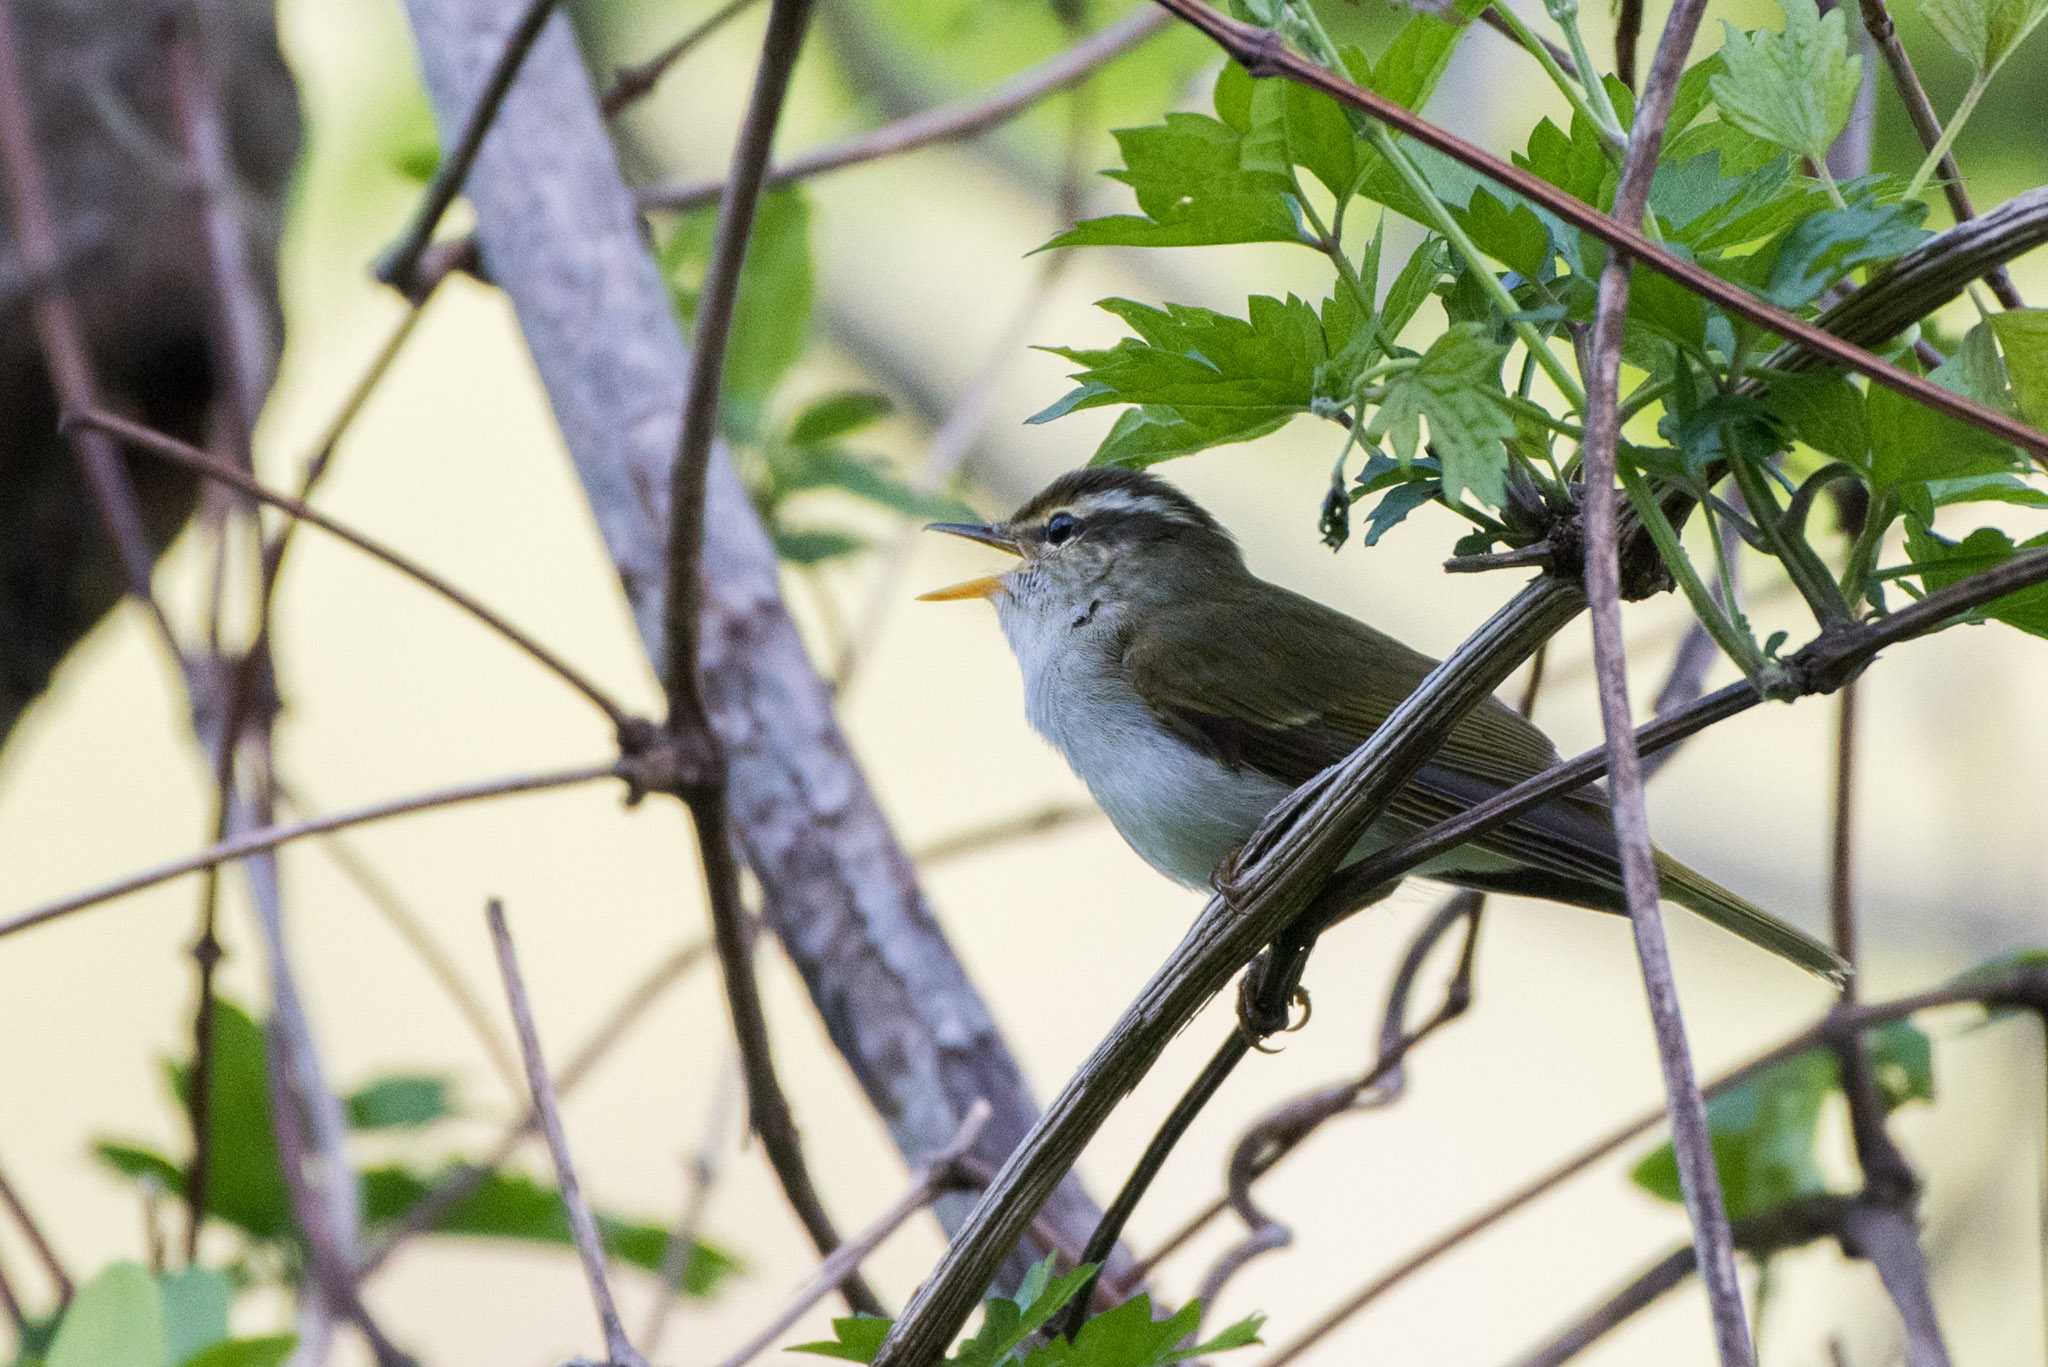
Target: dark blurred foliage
(134,261)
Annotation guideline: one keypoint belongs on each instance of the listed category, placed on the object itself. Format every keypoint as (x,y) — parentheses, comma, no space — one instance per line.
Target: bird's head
(1096,537)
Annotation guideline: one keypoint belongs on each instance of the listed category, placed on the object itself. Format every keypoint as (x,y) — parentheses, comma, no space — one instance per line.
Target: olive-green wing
(1298,686)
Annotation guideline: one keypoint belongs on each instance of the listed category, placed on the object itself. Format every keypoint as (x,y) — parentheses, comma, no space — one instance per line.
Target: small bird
(1191,696)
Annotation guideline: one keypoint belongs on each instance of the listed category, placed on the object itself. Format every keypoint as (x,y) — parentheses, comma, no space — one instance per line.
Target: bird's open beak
(989,584)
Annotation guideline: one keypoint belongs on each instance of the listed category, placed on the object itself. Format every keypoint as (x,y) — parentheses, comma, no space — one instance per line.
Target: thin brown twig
(1877,22)
(191,457)
(462,1181)
(2027,988)
(633,83)
(932,1180)
(619,1350)
(739,198)
(963,118)
(37,1240)
(284,833)
(1699,1179)
(1264,54)
(1628,32)
(699,778)
(397,263)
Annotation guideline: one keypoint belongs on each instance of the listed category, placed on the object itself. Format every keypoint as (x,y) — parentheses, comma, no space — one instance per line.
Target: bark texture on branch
(558,230)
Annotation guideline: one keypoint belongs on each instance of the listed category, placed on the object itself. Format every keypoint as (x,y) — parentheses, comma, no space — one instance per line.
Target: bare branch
(948,123)
(192,458)
(463,1181)
(33,1232)
(1051,817)
(582,1227)
(935,1177)
(397,264)
(1698,1178)
(633,83)
(270,837)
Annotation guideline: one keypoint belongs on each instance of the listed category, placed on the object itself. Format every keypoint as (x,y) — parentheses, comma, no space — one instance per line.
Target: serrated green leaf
(1984,31)
(1452,387)
(401,1101)
(1394,507)
(837,415)
(195,1310)
(271,1351)
(115,1320)
(1194,190)
(508,1205)
(1911,442)
(1794,88)
(1243,1334)
(1201,378)
(1824,410)
(2023,337)
(1824,247)
(857,1338)
(1575,162)
(1292,125)
(1942,562)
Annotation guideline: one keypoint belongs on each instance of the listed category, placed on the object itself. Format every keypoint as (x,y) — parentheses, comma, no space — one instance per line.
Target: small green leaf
(1243,1334)
(401,1101)
(115,1320)
(1193,189)
(2023,337)
(1395,505)
(814,545)
(1942,562)
(1910,441)
(854,1339)
(271,1351)
(1455,387)
(1984,31)
(195,1310)
(1794,88)
(836,415)
(1824,247)
(772,314)
(513,1206)
(831,467)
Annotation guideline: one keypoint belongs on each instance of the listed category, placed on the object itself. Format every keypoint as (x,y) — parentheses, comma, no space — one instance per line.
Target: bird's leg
(1272,985)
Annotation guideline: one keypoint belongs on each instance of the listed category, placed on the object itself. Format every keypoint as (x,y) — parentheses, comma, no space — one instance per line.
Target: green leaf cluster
(246,1189)
(125,1317)
(1126,1336)
(1765,1132)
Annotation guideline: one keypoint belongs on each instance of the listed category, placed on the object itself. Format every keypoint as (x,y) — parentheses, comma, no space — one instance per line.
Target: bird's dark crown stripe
(1108,491)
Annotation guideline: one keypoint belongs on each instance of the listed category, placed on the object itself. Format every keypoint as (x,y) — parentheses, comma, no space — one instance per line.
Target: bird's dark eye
(1061,527)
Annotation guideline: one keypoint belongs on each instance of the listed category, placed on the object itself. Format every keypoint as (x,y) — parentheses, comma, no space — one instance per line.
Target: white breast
(1176,807)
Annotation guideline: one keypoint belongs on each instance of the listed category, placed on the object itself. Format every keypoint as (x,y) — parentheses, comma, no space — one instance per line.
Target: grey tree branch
(560,231)
(619,1350)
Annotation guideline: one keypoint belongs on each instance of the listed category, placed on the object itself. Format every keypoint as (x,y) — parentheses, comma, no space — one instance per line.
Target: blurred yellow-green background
(923,270)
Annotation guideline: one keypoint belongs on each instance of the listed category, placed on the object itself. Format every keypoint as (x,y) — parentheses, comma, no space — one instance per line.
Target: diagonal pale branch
(619,1351)
(1699,1179)
(560,230)
(1263,54)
